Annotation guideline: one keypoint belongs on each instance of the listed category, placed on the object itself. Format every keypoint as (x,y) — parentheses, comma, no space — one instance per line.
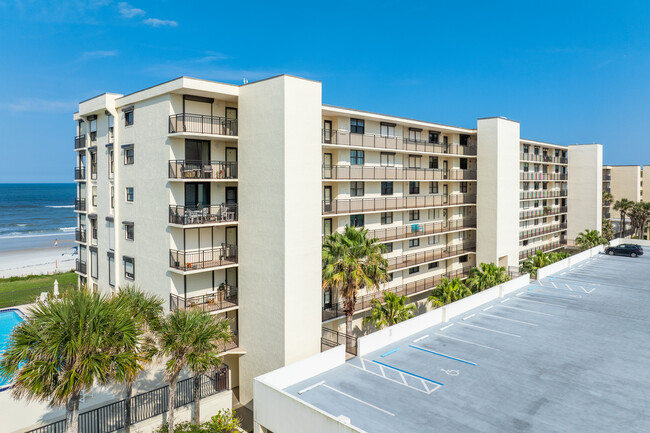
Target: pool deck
(568,353)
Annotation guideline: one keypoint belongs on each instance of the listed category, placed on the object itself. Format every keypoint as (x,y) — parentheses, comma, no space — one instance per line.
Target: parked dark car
(625,250)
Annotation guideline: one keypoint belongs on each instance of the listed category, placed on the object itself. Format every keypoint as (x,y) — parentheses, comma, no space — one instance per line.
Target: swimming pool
(8,321)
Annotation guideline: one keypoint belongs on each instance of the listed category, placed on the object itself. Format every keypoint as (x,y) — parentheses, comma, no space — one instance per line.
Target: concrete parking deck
(568,353)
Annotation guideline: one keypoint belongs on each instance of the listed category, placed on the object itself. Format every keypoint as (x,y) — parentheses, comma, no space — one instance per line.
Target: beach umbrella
(56,288)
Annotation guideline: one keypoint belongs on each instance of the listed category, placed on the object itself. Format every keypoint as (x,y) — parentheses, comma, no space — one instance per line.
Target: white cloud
(212,56)
(99,54)
(38,105)
(155,22)
(128,11)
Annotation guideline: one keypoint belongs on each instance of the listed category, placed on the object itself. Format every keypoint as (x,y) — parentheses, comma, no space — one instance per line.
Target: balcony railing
(529,175)
(538,213)
(532,195)
(544,158)
(331,338)
(414,230)
(80,204)
(360,172)
(80,266)
(355,205)
(409,289)
(607,177)
(79,173)
(80,142)
(204,258)
(414,259)
(200,124)
(219,213)
(80,235)
(531,233)
(346,138)
(182,169)
(531,251)
(219,300)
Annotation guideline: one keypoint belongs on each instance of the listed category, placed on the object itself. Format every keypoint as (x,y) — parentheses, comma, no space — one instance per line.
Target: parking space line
(302,391)
(528,311)
(491,330)
(407,372)
(421,338)
(426,389)
(448,326)
(358,399)
(468,342)
(507,318)
(443,355)
(389,352)
(485,309)
(469,317)
(558,297)
(540,302)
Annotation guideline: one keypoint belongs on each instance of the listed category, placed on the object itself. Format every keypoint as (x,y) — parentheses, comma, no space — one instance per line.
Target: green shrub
(223,422)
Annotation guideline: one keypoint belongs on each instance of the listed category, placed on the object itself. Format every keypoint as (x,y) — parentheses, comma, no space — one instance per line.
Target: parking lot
(568,353)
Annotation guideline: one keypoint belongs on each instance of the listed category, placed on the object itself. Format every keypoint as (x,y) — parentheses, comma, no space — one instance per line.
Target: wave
(59,207)
(39,233)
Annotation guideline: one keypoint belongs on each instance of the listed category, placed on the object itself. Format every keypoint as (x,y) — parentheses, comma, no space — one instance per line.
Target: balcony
(374,141)
(528,175)
(533,195)
(531,251)
(415,230)
(79,173)
(360,172)
(364,302)
(215,214)
(543,158)
(80,204)
(377,204)
(200,124)
(208,258)
(198,170)
(80,266)
(531,233)
(233,343)
(80,235)
(607,177)
(80,142)
(215,301)
(415,259)
(538,213)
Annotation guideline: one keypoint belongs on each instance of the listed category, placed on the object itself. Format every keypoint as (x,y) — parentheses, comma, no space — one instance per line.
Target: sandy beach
(38,258)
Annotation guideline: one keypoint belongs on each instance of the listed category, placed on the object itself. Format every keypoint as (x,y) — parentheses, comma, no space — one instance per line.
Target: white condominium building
(217,196)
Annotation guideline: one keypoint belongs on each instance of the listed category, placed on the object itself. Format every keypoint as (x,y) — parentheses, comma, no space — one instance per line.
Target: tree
(623,206)
(639,214)
(65,347)
(352,262)
(393,310)
(608,229)
(145,311)
(533,263)
(487,275)
(556,256)
(607,198)
(193,339)
(590,239)
(448,291)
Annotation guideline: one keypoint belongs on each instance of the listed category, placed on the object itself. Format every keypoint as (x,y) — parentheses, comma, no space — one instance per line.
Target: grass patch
(24,290)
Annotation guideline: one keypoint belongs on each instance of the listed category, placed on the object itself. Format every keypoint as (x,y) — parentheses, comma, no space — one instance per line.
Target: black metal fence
(330,338)
(219,300)
(201,124)
(182,169)
(80,204)
(219,213)
(111,417)
(80,141)
(79,173)
(204,258)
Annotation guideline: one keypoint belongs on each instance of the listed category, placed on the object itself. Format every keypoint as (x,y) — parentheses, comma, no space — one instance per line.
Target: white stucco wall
(585,196)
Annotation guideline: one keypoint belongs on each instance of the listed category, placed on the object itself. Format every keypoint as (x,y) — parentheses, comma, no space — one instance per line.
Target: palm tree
(193,339)
(487,275)
(65,347)
(533,263)
(639,214)
(590,239)
(448,291)
(352,262)
(556,256)
(623,206)
(145,310)
(608,229)
(607,198)
(392,311)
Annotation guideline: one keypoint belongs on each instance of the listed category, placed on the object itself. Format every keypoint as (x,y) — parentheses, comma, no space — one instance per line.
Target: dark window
(94,264)
(129,232)
(386,217)
(433,265)
(389,247)
(327,226)
(129,193)
(356,189)
(464,140)
(128,118)
(128,156)
(525,148)
(356,157)
(463,187)
(390,277)
(356,220)
(414,270)
(414,215)
(434,136)
(387,159)
(129,268)
(433,187)
(414,243)
(387,188)
(463,163)
(433,162)
(357,126)
(414,187)
(111,271)
(463,259)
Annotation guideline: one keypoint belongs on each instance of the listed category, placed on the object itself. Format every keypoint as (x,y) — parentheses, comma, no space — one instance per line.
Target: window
(128,118)
(557,153)
(129,193)
(357,126)
(525,148)
(414,243)
(434,137)
(387,159)
(129,231)
(327,226)
(433,240)
(536,150)
(389,247)
(433,187)
(94,195)
(111,135)
(545,185)
(414,270)
(356,157)
(387,188)
(93,165)
(390,277)
(463,163)
(111,163)
(415,134)
(356,220)
(356,189)
(526,167)
(463,259)
(386,217)
(414,215)
(415,161)
(464,140)
(433,265)
(387,129)
(433,162)
(94,265)
(129,268)
(463,187)
(112,197)
(414,187)
(111,270)
(93,129)
(128,155)
(111,234)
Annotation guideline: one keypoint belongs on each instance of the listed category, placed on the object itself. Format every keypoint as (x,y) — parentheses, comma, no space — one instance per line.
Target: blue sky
(569,71)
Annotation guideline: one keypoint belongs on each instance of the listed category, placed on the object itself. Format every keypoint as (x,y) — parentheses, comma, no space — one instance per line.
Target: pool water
(8,321)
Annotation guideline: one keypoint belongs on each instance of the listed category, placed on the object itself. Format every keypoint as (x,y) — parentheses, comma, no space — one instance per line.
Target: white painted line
(421,338)
(507,318)
(505,300)
(311,387)
(468,342)
(540,302)
(568,287)
(519,294)
(563,273)
(448,326)
(403,383)
(554,285)
(485,309)
(585,290)
(359,400)
(492,330)
(528,311)
(469,317)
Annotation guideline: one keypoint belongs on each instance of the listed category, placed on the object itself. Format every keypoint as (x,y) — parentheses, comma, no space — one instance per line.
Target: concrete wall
(498,192)
(569,261)
(625,183)
(585,196)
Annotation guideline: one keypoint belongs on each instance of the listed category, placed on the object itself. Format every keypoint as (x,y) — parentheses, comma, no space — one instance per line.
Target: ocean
(35,215)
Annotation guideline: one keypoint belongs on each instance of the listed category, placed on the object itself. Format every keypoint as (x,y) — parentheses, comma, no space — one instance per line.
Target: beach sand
(38,261)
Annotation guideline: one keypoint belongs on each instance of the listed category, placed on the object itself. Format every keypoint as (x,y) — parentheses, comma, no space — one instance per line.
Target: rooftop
(566,353)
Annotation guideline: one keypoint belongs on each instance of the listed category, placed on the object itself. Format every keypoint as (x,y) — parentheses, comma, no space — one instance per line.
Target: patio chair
(416,228)
(207,171)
